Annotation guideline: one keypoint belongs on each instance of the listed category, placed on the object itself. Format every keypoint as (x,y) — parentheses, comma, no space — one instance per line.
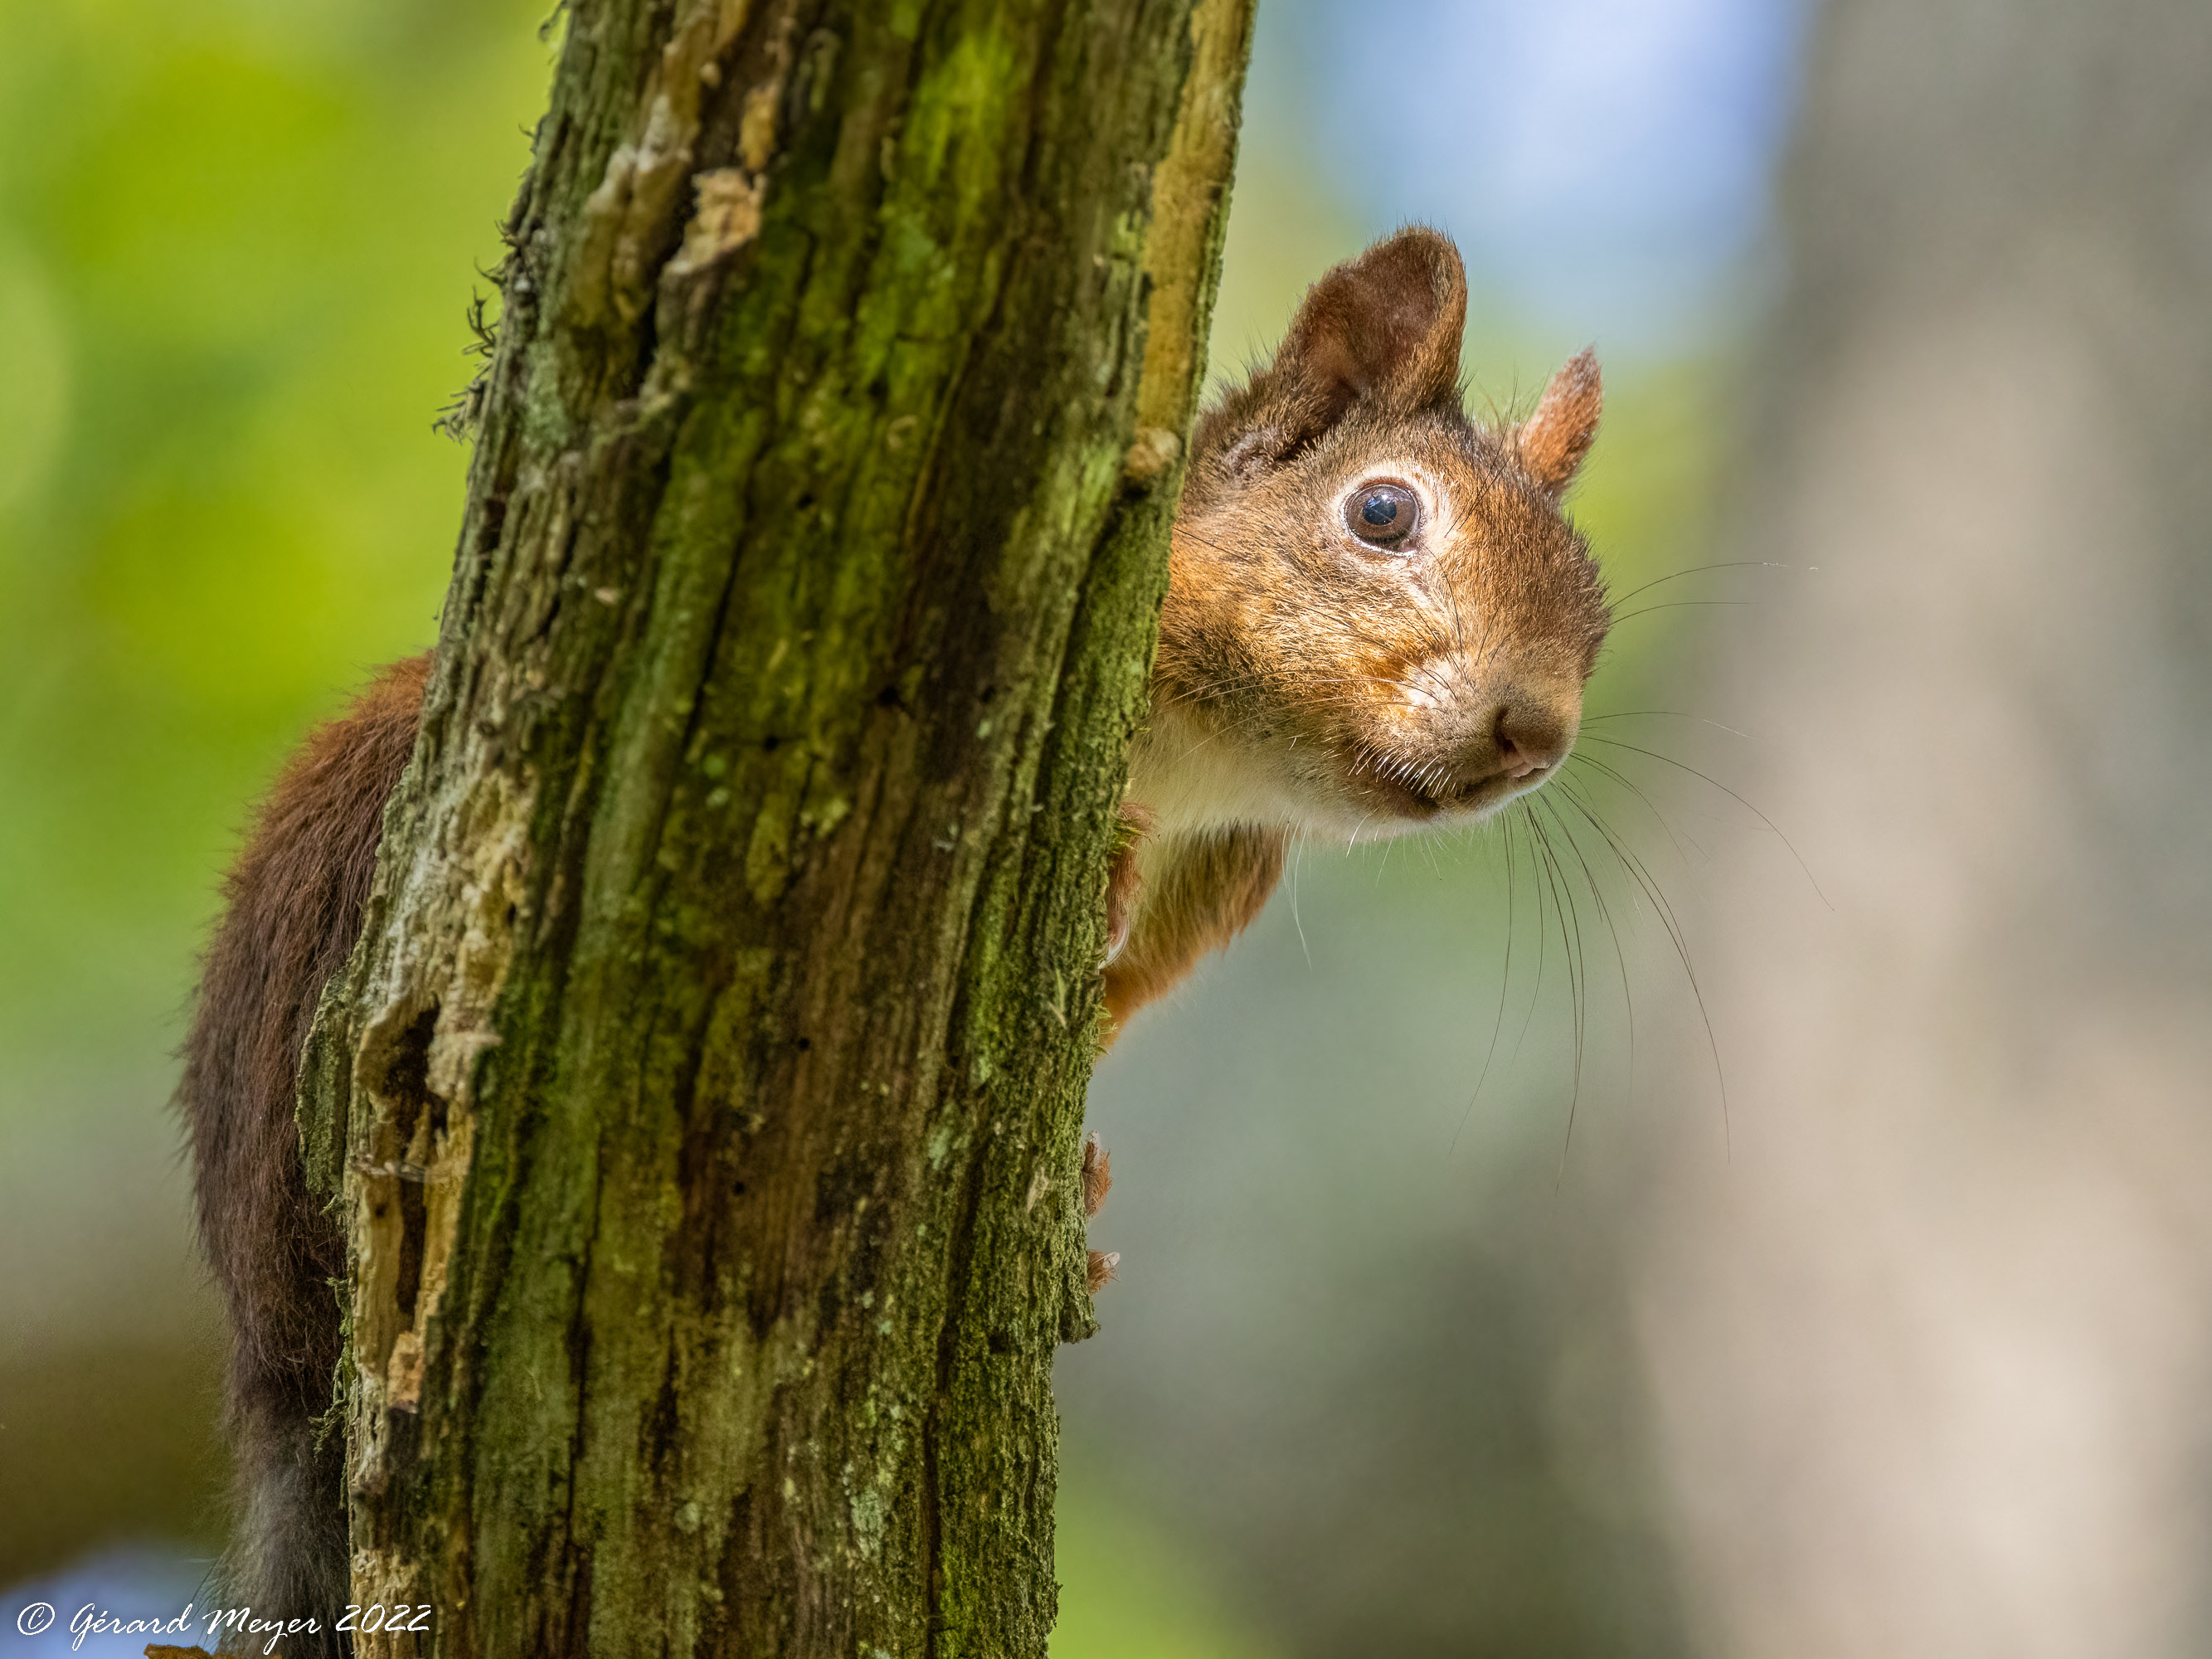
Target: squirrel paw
(1098,1181)
(1123,881)
(1097,1176)
(1103,1263)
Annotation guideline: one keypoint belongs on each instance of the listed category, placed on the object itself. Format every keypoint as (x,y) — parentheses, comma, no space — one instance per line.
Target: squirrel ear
(1554,440)
(1384,328)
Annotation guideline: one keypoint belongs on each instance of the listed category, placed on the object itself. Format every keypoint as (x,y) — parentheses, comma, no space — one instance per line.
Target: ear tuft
(1554,440)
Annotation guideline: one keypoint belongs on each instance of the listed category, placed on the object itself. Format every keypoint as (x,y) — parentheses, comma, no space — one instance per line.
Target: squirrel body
(1377,621)
(293,905)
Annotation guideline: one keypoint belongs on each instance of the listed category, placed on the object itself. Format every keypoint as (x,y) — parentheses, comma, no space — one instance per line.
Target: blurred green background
(237,242)
(233,243)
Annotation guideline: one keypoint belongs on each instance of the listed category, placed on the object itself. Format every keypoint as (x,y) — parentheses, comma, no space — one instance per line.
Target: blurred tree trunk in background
(1933,1349)
(714,1058)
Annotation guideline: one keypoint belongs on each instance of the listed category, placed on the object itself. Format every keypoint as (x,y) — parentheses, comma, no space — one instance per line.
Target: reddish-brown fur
(1195,906)
(1346,690)
(1554,440)
(294,908)
(1310,683)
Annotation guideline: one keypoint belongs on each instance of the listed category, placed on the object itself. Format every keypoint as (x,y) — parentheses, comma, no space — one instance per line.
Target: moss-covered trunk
(711,1068)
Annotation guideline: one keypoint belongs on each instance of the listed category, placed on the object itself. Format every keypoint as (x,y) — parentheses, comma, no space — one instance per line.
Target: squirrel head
(1377,613)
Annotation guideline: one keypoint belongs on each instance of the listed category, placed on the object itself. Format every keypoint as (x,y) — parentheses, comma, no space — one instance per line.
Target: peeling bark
(704,1094)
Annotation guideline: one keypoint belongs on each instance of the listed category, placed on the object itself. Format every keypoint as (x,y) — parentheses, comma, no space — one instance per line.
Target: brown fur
(1554,440)
(1307,683)
(1098,1177)
(294,903)
(1202,899)
(1098,1181)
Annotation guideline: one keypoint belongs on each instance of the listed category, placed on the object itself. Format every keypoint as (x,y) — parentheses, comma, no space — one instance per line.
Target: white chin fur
(1195,779)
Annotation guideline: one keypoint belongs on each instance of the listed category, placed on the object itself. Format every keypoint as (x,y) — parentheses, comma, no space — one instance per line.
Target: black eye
(1383,514)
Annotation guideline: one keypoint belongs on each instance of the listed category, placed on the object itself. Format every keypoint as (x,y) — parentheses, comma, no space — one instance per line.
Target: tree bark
(704,1094)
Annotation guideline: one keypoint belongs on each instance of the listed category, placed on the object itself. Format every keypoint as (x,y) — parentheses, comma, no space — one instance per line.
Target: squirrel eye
(1382,512)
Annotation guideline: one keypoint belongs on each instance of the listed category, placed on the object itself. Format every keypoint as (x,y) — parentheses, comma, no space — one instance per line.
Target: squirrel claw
(1123,882)
(1103,1263)
(1121,902)
(1097,1181)
(1098,1177)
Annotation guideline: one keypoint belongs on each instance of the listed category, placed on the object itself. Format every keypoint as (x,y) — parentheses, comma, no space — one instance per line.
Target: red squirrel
(1377,620)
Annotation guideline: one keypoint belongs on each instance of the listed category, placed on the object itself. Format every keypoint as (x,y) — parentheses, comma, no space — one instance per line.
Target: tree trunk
(1931,1349)
(711,1068)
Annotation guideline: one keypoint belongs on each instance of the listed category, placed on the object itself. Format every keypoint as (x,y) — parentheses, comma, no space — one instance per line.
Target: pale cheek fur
(1194,776)
(1194,779)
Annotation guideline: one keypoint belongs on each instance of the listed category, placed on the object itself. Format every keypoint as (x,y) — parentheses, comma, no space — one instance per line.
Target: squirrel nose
(1529,739)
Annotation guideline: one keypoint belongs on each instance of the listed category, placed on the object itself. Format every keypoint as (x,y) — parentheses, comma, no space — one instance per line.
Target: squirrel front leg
(1172,899)
(1169,900)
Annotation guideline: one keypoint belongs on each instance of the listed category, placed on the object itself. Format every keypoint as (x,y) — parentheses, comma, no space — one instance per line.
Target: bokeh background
(1768,1212)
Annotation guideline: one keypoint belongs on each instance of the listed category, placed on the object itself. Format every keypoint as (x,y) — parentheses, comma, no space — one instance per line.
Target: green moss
(750,1308)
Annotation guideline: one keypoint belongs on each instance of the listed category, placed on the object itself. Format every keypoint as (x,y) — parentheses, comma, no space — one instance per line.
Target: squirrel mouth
(1409,788)
(1414,791)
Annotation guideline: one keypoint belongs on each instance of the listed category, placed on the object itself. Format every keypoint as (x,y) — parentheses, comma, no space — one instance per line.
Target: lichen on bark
(704,1094)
